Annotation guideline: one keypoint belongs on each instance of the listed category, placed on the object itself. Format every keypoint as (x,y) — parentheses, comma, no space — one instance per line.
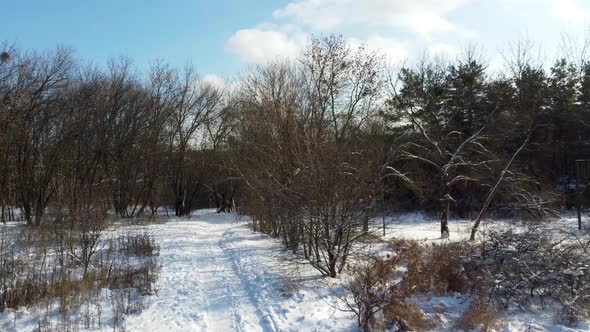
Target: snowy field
(218,275)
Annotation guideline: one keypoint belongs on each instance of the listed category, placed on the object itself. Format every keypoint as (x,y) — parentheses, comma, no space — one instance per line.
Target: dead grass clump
(507,270)
(141,277)
(288,288)
(381,288)
(138,244)
(447,269)
(66,267)
(437,269)
(407,316)
(481,314)
(22,292)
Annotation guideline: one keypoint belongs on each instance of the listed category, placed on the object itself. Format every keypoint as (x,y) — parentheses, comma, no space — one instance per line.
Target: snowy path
(202,286)
(217,275)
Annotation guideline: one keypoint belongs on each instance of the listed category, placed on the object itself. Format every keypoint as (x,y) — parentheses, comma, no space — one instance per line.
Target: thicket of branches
(312,148)
(323,144)
(508,271)
(76,137)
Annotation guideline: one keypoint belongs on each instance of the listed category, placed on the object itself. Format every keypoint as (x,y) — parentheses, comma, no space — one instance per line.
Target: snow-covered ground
(218,275)
(424,228)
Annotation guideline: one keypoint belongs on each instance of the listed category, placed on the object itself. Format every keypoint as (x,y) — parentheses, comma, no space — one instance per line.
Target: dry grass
(436,269)
(407,316)
(382,287)
(60,267)
(480,314)
(381,297)
(138,244)
(288,288)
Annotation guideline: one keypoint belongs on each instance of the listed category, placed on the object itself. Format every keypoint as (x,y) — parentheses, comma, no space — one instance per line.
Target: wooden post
(579,194)
(383,209)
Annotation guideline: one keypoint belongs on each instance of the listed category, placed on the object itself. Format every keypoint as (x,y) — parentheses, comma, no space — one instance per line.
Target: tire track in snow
(179,287)
(258,300)
(202,286)
(237,323)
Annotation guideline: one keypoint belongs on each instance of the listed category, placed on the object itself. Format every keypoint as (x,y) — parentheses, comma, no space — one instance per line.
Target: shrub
(508,269)
(371,288)
(437,269)
(379,299)
(534,266)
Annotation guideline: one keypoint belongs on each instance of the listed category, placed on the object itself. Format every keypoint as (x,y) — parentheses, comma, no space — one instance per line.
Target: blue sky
(177,31)
(221,38)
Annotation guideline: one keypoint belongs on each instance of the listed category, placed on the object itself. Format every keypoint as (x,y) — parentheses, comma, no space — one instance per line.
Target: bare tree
(40,133)
(308,170)
(195,102)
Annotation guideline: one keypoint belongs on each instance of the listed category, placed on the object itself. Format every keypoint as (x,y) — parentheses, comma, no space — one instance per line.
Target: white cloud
(442,49)
(214,80)
(426,24)
(570,10)
(567,11)
(394,51)
(424,17)
(265,42)
(218,82)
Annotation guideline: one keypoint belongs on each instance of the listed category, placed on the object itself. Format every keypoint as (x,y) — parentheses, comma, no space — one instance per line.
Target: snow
(421,227)
(218,275)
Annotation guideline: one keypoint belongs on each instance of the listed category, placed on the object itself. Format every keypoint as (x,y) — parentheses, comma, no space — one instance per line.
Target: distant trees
(194,105)
(473,132)
(33,99)
(75,137)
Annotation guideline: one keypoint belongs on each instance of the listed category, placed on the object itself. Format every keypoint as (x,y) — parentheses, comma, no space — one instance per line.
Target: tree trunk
(444,218)
(178,208)
(39,211)
(332,260)
(28,213)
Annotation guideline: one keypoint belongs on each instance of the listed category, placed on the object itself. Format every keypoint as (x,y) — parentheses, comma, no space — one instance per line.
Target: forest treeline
(310,148)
